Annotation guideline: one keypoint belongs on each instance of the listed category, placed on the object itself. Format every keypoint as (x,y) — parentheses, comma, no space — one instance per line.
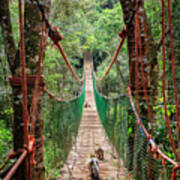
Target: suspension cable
(164,82)
(174,69)
(123,35)
(56,38)
(139,53)
(150,140)
(52,96)
(23,74)
(24,85)
(33,108)
(143,75)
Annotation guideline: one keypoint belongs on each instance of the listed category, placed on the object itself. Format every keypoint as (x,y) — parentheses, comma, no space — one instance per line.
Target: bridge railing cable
(135,144)
(28,151)
(117,116)
(56,37)
(122,35)
(139,122)
(61,134)
(23,83)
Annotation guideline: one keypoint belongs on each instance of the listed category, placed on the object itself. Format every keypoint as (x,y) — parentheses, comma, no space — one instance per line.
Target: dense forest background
(87,26)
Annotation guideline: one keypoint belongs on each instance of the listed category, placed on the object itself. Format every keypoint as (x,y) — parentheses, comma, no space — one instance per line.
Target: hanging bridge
(91,136)
(92,120)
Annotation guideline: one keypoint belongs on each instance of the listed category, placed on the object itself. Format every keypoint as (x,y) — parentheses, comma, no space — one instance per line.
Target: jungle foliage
(88,26)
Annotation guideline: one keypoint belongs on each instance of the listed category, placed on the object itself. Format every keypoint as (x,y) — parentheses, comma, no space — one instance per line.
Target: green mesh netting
(62,120)
(101,104)
(128,139)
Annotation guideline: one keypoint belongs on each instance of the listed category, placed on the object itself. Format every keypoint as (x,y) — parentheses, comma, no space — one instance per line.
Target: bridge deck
(91,135)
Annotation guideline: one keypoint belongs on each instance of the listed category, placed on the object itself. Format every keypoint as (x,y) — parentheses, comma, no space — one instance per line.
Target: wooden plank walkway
(91,135)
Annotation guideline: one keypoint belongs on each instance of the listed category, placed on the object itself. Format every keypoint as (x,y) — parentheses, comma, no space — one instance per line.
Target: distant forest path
(91,135)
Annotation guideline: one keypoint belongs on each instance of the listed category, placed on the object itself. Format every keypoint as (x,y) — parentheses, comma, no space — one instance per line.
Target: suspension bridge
(91,136)
(114,124)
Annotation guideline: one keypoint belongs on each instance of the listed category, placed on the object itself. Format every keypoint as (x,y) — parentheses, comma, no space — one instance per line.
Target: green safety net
(129,140)
(61,127)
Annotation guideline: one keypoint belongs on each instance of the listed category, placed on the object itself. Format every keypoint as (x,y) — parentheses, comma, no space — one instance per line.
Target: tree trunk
(33,35)
(148,46)
(150,68)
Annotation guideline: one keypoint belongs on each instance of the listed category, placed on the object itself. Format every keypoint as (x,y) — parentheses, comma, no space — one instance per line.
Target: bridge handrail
(154,146)
(52,96)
